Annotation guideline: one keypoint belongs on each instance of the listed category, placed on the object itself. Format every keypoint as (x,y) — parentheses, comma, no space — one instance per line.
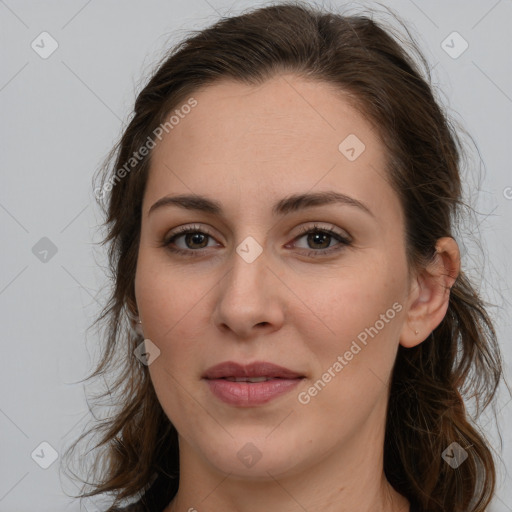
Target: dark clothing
(156,498)
(415,508)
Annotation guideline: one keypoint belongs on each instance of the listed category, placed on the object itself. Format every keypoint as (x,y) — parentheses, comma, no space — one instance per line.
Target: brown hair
(460,359)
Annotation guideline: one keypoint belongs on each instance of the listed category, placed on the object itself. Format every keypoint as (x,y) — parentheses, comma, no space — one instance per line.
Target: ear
(430,293)
(134,316)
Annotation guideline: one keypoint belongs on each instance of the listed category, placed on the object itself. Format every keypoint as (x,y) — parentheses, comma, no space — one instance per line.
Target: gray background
(61,115)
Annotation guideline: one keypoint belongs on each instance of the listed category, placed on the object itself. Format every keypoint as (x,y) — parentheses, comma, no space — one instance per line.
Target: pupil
(193,238)
(321,235)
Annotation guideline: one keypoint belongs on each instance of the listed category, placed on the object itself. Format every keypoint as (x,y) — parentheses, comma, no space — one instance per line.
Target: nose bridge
(246,279)
(246,297)
(248,260)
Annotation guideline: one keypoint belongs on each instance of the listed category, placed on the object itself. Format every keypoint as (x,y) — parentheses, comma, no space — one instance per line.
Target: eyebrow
(284,206)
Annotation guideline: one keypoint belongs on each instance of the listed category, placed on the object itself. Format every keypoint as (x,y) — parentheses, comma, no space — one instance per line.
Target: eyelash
(343,241)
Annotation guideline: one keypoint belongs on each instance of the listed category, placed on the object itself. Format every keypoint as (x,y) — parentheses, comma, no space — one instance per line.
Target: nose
(250,300)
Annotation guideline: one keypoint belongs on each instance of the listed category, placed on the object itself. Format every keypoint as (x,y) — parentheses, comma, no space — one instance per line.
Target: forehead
(287,135)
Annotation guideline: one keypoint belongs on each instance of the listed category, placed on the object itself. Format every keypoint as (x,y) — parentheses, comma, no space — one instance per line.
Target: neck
(347,479)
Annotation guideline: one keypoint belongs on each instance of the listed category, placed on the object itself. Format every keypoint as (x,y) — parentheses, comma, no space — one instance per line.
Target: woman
(280,213)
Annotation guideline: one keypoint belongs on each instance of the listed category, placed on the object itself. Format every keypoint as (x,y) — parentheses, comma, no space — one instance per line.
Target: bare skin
(300,303)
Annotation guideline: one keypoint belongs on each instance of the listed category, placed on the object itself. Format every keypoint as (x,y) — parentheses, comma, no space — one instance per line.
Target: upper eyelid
(182,230)
(332,229)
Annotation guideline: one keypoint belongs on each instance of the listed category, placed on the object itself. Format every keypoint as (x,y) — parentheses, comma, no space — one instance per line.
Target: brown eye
(320,241)
(320,238)
(188,240)
(195,238)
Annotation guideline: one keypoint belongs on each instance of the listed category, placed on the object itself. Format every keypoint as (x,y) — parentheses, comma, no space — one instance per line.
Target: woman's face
(251,285)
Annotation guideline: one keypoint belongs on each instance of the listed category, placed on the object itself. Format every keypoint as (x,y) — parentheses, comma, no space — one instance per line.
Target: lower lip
(248,394)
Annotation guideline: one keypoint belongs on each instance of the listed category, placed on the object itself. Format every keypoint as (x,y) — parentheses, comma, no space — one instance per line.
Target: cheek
(170,303)
(351,368)
(167,297)
(357,315)
(340,306)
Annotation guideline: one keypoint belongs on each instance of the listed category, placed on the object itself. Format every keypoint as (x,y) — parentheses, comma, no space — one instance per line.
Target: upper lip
(256,369)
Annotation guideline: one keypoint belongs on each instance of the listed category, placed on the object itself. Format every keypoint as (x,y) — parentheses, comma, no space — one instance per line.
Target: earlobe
(430,293)
(138,327)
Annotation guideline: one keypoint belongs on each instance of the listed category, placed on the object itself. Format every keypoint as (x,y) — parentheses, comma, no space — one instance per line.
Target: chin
(254,458)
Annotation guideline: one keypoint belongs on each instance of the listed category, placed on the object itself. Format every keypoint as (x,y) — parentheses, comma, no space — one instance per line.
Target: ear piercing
(138,327)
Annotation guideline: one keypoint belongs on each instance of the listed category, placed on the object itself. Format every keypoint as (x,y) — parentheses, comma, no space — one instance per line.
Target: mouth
(249,379)
(250,385)
(254,372)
